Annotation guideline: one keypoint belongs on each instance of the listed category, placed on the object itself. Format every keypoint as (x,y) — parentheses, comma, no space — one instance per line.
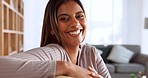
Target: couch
(137,63)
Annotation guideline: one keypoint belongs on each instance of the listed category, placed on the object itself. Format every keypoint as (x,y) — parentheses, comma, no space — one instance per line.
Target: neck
(73,53)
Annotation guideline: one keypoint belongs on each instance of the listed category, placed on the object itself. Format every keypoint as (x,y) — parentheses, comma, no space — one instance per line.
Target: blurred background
(109,22)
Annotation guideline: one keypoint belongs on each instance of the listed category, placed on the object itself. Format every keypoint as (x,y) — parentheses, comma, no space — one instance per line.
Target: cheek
(85,29)
(84,26)
(61,27)
(84,23)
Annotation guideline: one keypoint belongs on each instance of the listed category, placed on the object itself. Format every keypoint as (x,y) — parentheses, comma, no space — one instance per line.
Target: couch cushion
(134,48)
(120,54)
(129,68)
(111,68)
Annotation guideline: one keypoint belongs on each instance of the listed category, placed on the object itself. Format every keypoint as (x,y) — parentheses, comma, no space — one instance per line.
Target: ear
(52,32)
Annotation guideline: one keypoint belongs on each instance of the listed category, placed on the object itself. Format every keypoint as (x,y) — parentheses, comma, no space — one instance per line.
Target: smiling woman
(61,52)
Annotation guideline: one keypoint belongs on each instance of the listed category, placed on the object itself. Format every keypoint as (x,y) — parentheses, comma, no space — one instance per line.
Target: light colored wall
(132,21)
(144,40)
(33,18)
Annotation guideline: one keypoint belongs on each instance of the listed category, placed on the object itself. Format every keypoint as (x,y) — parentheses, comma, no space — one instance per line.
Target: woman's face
(71,23)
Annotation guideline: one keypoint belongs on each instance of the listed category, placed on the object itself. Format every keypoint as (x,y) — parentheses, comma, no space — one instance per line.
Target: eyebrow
(67,14)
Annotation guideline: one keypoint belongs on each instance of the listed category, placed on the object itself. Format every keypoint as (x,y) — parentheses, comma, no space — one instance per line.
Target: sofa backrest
(106,50)
(135,48)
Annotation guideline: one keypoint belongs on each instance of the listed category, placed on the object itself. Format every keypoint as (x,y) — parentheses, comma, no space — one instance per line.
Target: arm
(22,68)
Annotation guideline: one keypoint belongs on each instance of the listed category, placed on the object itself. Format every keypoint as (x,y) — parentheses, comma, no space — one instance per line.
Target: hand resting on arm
(68,70)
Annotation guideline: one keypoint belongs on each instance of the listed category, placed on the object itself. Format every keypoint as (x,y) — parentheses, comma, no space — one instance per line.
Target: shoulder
(50,50)
(54,46)
(91,50)
(87,47)
(91,54)
(47,48)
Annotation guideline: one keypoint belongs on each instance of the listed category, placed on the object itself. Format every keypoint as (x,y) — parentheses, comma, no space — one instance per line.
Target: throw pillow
(98,50)
(120,54)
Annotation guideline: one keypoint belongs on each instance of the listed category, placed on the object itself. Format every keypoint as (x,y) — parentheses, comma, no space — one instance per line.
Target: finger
(96,75)
(89,68)
(92,70)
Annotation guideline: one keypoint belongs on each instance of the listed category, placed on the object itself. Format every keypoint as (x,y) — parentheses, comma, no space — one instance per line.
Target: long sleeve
(90,57)
(22,68)
(35,63)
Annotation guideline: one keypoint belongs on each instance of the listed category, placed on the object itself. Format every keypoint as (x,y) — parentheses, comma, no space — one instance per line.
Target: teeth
(75,32)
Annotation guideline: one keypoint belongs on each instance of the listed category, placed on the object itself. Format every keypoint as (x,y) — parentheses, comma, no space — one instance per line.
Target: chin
(76,43)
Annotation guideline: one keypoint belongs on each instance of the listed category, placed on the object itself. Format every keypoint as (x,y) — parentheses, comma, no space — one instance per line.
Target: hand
(78,72)
(94,73)
(71,70)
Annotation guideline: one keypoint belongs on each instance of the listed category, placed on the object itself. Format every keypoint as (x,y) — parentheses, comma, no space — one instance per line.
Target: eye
(64,18)
(79,16)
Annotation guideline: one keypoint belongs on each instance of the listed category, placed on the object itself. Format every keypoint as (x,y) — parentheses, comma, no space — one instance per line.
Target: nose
(74,22)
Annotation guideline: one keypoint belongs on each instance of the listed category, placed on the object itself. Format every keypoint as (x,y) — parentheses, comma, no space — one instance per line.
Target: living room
(123,22)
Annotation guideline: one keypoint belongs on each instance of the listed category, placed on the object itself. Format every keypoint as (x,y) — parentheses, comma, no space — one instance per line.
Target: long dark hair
(50,22)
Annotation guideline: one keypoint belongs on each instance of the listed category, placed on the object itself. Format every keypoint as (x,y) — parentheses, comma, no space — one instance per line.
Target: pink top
(41,62)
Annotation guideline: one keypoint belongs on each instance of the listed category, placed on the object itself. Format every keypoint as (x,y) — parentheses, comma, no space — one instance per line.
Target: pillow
(120,54)
(98,50)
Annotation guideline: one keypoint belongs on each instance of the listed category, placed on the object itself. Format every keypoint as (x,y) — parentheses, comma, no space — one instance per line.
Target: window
(104,21)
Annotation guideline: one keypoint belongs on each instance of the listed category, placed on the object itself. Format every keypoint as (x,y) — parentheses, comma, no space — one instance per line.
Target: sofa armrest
(141,59)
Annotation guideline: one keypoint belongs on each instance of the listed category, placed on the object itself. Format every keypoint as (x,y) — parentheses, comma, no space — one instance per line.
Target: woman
(61,52)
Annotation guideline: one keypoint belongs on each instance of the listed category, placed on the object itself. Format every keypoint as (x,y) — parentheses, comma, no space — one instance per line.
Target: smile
(75,32)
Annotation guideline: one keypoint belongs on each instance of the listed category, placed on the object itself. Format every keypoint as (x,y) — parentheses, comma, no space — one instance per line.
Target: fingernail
(92,73)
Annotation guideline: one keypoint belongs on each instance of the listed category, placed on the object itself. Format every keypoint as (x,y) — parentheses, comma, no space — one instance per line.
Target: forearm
(61,68)
(21,68)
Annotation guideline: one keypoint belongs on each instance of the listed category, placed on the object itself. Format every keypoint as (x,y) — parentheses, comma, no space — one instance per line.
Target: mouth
(75,32)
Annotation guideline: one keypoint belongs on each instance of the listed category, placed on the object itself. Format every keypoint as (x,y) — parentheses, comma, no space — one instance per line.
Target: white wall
(144,31)
(132,21)
(33,18)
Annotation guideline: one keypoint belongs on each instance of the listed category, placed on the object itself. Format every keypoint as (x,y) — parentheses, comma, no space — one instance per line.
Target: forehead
(69,7)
